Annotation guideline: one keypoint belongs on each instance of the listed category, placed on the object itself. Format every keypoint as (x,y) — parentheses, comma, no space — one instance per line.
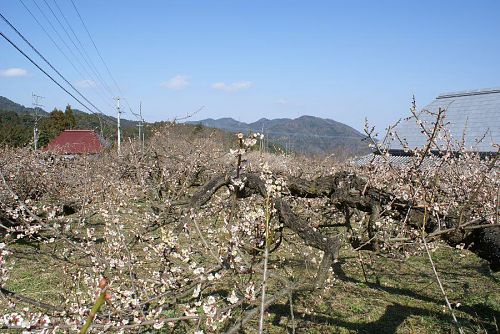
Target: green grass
(396,296)
(400,297)
(36,275)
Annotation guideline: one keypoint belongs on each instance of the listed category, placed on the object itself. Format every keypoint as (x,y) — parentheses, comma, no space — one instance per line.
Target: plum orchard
(184,234)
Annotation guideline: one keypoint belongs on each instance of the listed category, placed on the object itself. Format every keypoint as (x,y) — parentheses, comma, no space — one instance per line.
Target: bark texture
(349,192)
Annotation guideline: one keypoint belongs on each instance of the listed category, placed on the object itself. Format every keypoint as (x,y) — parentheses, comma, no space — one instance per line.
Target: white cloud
(13,72)
(86,83)
(177,82)
(232,87)
(282,102)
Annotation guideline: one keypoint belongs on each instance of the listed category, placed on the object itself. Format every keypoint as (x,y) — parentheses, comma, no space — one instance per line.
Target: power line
(62,40)
(68,35)
(50,77)
(48,63)
(129,107)
(105,100)
(102,59)
(71,40)
(96,70)
(50,37)
(95,47)
(70,50)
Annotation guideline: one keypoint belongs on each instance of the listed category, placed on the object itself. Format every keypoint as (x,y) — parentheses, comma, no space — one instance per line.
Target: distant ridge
(305,134)
(8,105)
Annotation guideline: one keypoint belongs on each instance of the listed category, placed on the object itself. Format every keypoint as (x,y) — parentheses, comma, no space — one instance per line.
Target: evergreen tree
(52,126)
(57,121)
(69,118)
(15,130)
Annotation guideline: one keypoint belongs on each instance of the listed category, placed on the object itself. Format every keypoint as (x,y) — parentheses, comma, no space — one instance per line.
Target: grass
(36,275)
(400,297)
(395,296)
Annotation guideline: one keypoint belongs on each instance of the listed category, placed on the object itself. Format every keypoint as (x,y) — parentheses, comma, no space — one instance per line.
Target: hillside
(8,105)
(305,134)
(16,124)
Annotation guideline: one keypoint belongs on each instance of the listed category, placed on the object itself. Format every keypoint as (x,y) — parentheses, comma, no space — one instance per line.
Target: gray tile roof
(397,161)
(473,113)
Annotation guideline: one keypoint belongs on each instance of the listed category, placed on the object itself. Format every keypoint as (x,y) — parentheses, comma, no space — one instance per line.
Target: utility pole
(266,143)
(289,146)
(118,124)
(100,125)
(36,106)
(261,141)
(141,127)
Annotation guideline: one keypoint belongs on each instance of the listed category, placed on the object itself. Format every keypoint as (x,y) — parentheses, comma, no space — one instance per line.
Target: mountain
(305,134)
(226,123)
(8,105)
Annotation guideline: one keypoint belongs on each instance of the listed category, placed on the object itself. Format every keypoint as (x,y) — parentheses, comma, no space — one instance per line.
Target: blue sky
(343,60)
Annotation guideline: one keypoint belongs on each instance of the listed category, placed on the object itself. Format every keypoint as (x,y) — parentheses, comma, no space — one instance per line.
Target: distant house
(75,142)
(471,118)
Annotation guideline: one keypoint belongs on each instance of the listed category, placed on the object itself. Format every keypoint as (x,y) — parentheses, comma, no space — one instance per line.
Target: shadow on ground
(388,323)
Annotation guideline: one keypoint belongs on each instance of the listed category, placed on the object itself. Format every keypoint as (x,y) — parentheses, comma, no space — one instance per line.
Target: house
(75,142)
(470,119)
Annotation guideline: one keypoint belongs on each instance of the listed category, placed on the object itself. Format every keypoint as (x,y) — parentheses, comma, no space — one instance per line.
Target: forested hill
(8,105)
(17,121)
(305,134)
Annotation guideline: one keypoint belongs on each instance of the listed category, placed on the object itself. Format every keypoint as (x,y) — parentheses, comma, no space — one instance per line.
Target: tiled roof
(75,142)
(394,160)
(473,113)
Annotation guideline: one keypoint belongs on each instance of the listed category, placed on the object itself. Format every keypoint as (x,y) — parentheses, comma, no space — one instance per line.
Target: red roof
(75,142)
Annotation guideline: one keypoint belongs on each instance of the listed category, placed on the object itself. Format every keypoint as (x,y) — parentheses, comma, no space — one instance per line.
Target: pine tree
(70,120)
